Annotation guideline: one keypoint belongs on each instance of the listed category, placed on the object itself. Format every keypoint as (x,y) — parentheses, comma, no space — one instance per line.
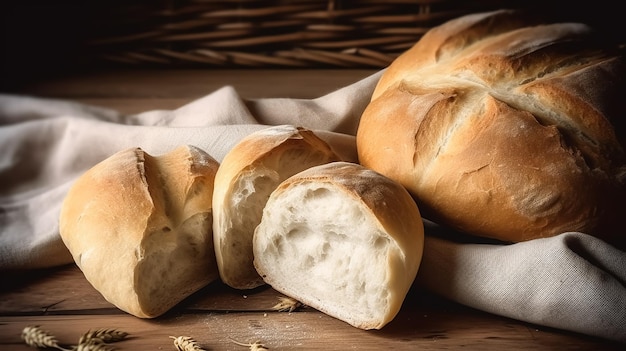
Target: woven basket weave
(251,33)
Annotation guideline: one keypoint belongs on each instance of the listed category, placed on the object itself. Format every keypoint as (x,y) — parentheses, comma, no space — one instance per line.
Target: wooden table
(62,302)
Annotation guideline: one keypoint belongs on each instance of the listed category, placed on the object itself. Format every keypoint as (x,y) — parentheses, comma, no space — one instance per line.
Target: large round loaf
(503,129)
(342,239)
(139,227)
(250,171)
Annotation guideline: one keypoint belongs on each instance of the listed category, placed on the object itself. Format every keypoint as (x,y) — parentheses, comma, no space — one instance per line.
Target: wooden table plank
(65,290)
(134,91)
(308,330)
(61,301)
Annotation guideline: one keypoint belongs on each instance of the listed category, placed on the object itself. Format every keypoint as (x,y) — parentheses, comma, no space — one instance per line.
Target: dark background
(40,39)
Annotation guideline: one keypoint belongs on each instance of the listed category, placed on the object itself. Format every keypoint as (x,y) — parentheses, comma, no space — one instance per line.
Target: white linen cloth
(573,281)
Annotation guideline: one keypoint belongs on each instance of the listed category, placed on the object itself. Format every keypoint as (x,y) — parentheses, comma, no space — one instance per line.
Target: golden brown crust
(502,129)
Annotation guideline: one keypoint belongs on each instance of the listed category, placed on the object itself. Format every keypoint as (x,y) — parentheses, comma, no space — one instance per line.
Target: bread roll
(342,239)
(247,175)
(503,129)
(139,227)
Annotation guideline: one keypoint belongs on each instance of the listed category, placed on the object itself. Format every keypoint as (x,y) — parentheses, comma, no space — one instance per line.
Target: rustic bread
(503,129)
(250,171)
(342,239)
(140,227)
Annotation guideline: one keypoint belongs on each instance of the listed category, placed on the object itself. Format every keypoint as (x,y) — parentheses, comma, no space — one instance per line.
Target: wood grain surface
(62,302)
(134,91)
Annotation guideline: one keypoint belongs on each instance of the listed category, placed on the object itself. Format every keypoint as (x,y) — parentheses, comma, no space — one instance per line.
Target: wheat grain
(186,343)
(105,335)
(93,345)
(287,304)
(255,346)
(34,336)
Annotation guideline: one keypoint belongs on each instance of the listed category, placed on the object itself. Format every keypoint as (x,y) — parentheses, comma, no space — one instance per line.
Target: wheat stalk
(287,304)
(34,336)
(93,345)
(104,335)
(255,346)
(186,343)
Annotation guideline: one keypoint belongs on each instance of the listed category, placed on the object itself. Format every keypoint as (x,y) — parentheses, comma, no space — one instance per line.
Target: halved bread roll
(246,177)
(140,227)
(342,239)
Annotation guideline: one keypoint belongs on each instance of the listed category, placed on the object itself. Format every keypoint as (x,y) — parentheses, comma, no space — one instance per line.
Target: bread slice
(246,177)
(140,227)
(342,239)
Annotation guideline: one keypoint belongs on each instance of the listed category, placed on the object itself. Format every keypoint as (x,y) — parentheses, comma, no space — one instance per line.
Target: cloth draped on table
(572,281)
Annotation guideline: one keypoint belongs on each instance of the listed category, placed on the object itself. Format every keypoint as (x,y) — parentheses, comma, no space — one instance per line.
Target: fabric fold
(572,281)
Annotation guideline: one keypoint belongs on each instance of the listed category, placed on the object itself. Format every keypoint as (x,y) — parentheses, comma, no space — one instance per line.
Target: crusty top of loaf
(262,143)
(551,70)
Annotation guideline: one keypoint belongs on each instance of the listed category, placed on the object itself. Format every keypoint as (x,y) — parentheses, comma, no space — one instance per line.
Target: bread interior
(326,248)
(249,195)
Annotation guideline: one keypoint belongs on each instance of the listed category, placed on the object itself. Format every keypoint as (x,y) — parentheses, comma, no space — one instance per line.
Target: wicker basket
(255,33)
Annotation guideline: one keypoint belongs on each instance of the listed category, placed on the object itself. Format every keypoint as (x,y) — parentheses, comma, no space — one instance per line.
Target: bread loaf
(502,128)
(250,171)
(140,227)
(342,239)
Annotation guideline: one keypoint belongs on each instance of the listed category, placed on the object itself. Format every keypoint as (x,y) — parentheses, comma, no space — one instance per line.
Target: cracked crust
(501,128)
